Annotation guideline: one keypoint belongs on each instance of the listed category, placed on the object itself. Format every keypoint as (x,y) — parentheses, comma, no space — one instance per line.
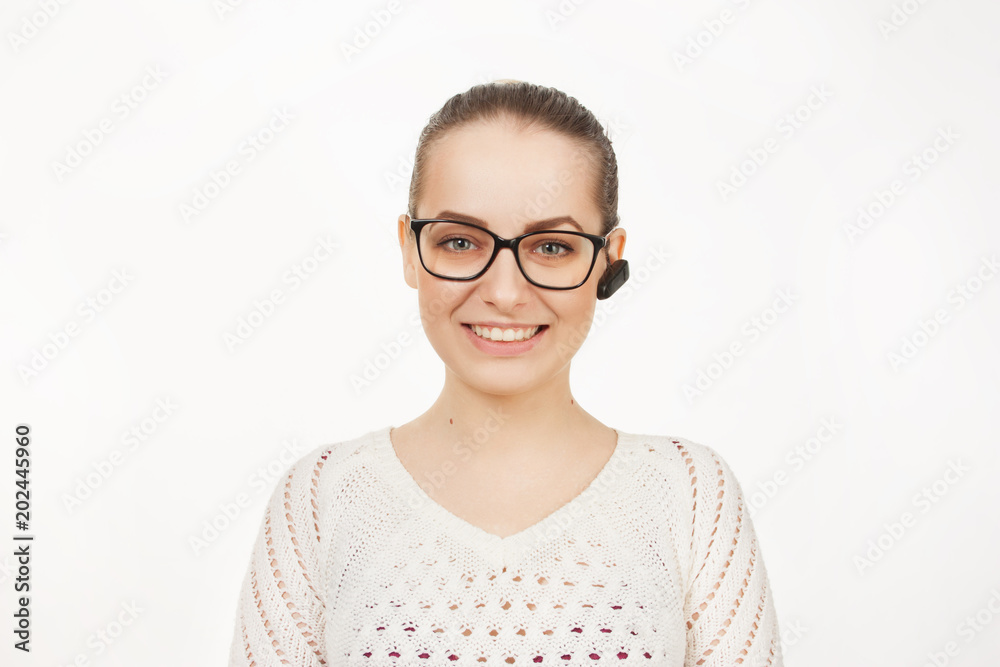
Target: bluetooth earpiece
(613,278)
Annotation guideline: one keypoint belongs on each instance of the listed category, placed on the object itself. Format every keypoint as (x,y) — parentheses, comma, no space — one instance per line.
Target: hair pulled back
(527,105)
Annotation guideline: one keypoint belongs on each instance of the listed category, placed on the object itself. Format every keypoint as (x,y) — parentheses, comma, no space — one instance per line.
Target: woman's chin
(498,382)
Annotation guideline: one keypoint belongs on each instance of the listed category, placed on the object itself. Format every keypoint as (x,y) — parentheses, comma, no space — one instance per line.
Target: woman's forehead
(496,174)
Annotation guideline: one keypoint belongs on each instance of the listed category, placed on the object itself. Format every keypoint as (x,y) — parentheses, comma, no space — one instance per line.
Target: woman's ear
(616,244)
(409,252)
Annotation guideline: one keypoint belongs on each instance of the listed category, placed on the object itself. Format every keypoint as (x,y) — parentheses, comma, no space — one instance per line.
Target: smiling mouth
(505,335)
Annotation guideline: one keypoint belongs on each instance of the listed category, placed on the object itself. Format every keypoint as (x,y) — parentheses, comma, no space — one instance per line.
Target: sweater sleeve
(281,608)
(729,608)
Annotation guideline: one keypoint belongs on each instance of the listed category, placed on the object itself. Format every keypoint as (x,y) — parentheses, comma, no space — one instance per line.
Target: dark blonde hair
(527,106)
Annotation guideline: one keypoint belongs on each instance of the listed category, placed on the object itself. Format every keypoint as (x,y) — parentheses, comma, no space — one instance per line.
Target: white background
(339,170)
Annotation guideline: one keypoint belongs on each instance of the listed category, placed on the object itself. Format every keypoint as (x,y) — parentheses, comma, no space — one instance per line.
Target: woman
(535,534)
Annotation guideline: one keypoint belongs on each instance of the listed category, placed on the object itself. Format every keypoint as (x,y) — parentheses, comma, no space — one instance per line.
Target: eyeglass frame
(499,243)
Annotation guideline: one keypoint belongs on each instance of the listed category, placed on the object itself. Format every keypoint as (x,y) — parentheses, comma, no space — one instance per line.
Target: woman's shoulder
(698,492)
(324,463)
(676,452)
(689,471)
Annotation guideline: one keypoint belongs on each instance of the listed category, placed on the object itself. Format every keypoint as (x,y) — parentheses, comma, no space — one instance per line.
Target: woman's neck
(513,427)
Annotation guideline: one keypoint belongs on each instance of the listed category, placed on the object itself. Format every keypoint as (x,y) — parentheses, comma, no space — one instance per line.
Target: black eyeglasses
(552,259)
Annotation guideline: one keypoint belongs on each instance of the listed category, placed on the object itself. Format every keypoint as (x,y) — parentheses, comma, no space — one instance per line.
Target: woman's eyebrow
(530,227)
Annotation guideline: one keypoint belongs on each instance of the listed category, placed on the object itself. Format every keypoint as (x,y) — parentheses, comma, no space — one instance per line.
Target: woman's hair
(527,105)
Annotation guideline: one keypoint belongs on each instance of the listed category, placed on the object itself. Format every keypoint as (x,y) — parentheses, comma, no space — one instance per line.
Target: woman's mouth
(500,334)
(505,341)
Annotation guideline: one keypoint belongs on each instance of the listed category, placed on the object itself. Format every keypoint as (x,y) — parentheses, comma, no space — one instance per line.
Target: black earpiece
(613,278)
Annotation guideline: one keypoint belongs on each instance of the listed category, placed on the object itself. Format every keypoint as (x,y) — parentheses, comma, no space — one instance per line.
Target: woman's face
(506,179)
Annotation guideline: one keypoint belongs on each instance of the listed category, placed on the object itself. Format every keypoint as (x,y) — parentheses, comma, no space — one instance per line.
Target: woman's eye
(462,244)
(552,246)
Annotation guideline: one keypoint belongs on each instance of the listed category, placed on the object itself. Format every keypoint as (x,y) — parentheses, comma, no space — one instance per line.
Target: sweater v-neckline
(505,550)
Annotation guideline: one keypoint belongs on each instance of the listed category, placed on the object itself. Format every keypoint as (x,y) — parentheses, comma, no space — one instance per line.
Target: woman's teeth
(499,334)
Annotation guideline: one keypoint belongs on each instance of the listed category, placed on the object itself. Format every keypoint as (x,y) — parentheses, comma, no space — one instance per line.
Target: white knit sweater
(656,562)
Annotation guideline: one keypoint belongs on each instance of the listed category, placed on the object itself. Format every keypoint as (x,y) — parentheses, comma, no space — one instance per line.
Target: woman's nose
(503,281)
